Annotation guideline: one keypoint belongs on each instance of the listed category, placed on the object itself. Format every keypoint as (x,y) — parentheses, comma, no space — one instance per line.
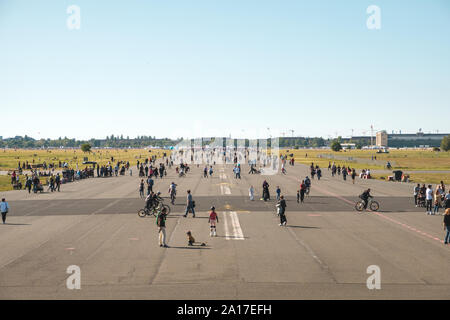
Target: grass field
(9,159)
(409,160)
(405,160)
(433,178)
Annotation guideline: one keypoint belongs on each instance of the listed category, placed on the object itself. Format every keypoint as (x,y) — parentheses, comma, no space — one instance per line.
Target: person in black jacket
(281,205)
(447,225)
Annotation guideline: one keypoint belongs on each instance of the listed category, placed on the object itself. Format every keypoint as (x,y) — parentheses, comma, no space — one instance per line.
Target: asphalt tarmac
(323,252)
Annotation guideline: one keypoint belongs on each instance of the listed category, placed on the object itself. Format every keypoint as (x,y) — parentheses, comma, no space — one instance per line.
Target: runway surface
(322,253)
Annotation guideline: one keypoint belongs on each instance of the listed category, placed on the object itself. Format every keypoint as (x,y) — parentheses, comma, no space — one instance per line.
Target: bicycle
(373,205)
(154,211)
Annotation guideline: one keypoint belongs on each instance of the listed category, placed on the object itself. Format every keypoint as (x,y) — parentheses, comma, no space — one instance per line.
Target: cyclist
(150,200)
(172,192)
(365,197)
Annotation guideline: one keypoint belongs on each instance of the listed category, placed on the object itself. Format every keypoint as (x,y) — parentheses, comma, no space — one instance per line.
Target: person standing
(58,182)
(447,225)
(266,194)
(150,183)
(141,188)
(302,191)
(4,208)
(278,191)
(447,201)
(251,193)
(416,194)
(189,205)
(353,175)
(429,198)
(282,211)
(213,219)
(161,223)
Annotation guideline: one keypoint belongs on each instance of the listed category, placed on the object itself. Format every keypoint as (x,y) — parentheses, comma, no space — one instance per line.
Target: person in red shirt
(302,191)
(213,219)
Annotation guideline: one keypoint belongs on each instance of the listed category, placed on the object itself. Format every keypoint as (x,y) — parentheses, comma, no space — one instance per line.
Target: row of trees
(110,142)
(144,141)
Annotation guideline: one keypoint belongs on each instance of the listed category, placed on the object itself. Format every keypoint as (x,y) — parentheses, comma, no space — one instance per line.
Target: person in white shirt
(429,199)
(4,208)
(251,193)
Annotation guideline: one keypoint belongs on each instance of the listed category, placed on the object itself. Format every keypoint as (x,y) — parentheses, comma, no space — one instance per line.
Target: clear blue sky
(184,68)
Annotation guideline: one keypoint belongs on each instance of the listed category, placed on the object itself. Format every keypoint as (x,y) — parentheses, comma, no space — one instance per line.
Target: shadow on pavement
(302,227)
(190,248)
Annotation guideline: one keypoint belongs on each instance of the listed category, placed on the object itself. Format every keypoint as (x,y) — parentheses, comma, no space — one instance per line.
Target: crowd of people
(432,200)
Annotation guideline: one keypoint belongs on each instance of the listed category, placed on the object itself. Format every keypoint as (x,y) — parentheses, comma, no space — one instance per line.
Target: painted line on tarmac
(234,225)
(225,190)
(404,225)
(311,252)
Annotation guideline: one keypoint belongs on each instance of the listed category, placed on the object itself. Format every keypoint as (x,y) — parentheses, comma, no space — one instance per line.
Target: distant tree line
(145,141)
(109,142)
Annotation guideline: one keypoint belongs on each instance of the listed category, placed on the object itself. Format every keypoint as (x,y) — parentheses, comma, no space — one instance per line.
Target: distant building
(405,140)
(382,139)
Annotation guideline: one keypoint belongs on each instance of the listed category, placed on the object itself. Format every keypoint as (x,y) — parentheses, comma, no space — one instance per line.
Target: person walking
(251,193)
(189,205)
(281,205)
(213,219)
(429,198)
(447,225)
(4,208)
(161,223)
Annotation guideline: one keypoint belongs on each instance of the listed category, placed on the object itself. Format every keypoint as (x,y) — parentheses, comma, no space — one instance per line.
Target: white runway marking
(225,189)
(236,231)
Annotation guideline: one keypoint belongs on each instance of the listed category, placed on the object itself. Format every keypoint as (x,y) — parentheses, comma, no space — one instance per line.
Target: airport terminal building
(419,139)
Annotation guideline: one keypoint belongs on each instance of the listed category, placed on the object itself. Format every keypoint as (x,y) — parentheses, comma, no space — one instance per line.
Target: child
(213,218)
(298,196)
(191,239)
(278,191)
